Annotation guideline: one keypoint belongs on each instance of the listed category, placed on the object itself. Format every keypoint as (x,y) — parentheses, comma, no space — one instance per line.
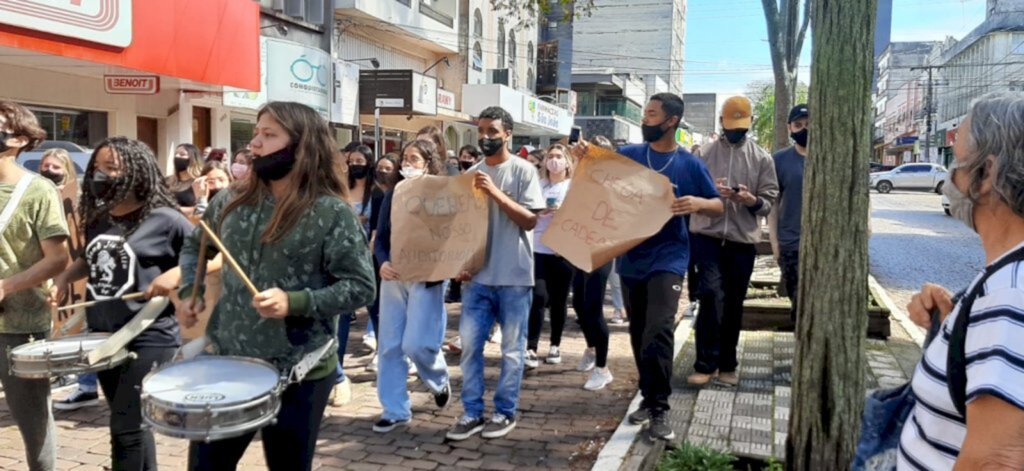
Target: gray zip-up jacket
(747,164)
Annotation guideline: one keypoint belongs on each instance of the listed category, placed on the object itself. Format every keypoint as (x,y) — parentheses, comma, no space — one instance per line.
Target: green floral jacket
(323,264)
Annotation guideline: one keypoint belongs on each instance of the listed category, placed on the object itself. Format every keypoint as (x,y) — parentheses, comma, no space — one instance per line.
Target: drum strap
(308,362)
(132,329)
(12,205)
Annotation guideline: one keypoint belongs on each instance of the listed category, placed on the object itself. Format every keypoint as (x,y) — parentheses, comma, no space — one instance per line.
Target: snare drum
(65,355)
(211,397)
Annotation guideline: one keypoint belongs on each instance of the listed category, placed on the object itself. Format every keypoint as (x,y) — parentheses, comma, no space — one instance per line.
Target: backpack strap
(956,359)
(12,204)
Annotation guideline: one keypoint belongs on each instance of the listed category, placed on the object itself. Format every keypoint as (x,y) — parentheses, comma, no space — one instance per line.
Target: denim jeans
(482,305)
(412,324)
(87,382)
(615,285)
(344,327)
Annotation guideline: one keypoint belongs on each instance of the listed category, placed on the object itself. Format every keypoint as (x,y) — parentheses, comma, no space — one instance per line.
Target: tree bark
(828,379)
(786,33)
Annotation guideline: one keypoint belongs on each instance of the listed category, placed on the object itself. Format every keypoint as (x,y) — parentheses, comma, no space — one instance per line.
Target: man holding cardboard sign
(503,289)
(653,271)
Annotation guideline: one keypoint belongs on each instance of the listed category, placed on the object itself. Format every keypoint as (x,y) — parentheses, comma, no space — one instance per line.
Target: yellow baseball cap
(737,113)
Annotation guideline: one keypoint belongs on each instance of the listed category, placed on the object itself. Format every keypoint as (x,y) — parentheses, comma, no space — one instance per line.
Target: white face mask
(410,172)
(960,205)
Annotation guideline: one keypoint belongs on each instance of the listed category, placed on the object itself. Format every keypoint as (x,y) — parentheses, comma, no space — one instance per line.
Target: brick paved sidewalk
(561,426)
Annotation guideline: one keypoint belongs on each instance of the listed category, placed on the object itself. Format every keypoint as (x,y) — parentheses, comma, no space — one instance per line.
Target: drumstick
(228,258)
(127,297)
(200,269)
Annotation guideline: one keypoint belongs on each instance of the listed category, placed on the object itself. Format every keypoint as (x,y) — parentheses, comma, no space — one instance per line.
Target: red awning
(214,42)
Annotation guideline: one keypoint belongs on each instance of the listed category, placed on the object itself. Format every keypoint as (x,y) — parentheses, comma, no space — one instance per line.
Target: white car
(917,176)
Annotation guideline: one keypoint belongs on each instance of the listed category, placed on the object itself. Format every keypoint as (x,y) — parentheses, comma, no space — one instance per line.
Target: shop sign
(131,84)
(99,21)
(445,99)
(345,101)
(950,137)
(905,140)
(299,73)
(541,113)
(403,92)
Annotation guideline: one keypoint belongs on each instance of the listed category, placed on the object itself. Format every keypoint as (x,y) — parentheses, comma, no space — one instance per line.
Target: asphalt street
(914,242)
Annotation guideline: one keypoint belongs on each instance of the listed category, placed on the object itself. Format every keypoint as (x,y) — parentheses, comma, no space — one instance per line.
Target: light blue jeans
(412,324)
(615,284)
(481,306)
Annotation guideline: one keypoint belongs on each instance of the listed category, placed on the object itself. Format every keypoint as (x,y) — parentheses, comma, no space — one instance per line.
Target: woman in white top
(986,191)
(552,273)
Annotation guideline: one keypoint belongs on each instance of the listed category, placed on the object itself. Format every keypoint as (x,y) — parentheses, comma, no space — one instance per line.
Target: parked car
(918,176)
(945,205)
(877,167)
(79,155)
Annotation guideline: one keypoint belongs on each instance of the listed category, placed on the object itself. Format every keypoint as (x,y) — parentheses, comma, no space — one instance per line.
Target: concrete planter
(764,310)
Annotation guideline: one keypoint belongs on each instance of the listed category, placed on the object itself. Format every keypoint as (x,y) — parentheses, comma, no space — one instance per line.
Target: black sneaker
(499,426)
(659,428)
(465,428)
(640,416)
(385,425)
(78,400)
(442,398)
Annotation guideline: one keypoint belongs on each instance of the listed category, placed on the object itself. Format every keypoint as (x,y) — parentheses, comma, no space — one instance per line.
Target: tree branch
(775,42)
(803,32)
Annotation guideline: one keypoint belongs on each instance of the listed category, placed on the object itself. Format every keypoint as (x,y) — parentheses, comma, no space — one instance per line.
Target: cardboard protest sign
(438,228)
(613,205)
(75,292)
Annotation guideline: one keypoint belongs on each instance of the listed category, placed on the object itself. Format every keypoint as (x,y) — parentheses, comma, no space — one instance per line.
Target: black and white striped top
(935,431)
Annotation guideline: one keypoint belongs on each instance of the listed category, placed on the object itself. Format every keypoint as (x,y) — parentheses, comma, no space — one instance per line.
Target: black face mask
(465,165)
(734,136)
(274,166)
(491,147)
(102,185)
(4,136)
(800,137)
(357,171)
(180,165)
(383,177)
(56,178)
(653,133)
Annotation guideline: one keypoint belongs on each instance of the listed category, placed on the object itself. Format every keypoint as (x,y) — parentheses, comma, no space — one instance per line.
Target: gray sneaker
(659,428)
(499,426)
(640,416)
(465,428)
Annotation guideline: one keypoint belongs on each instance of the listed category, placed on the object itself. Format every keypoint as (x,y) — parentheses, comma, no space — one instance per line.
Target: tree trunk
(828,371)
(785,94)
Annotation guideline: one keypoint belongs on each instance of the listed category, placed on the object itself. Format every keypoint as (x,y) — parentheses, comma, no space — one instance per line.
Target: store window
(242,129)
(85,128)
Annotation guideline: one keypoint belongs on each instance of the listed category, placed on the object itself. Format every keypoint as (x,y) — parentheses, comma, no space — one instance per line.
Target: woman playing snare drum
(294,236)
(134,232)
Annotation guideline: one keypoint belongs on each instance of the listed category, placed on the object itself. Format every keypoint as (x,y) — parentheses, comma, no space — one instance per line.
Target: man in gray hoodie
(724,246)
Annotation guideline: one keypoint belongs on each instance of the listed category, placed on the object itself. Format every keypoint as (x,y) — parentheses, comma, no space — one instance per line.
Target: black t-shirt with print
(117,268)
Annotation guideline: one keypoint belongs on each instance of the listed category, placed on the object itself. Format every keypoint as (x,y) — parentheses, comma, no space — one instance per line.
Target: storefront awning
(532,116)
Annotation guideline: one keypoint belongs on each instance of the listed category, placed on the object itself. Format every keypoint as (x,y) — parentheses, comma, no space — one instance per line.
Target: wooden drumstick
(127,297)
(200,269)
(228,258)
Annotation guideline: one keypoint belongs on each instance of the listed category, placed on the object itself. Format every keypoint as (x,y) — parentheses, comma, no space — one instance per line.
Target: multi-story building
(895,69)
(702,111)
(610,36)
(609,104)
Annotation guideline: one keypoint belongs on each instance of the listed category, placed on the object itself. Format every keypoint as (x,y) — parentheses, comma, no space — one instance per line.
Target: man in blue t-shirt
(652,272)
(784,224)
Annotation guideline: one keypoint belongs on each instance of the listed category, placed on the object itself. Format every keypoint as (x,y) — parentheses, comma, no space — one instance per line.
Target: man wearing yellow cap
(724,246)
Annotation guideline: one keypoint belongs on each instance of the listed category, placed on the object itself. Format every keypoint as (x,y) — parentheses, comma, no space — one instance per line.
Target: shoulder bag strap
(956,360)
(12,204)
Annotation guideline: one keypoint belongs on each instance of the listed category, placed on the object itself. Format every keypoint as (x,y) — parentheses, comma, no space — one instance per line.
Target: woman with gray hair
(969,387)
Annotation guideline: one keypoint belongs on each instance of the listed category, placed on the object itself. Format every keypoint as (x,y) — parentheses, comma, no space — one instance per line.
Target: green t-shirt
(39,217)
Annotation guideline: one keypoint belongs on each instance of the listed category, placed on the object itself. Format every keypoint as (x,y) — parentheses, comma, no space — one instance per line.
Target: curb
(916,333)
(616,450)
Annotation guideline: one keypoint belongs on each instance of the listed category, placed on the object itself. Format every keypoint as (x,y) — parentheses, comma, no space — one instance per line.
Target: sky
(727,48)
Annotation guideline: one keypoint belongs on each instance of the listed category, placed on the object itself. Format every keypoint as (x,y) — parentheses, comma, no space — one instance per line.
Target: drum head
(61,346)
(211,380)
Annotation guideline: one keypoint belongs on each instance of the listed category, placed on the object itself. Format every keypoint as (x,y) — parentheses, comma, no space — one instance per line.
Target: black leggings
(553,275)
(288,444)
(588,302)
(132,448)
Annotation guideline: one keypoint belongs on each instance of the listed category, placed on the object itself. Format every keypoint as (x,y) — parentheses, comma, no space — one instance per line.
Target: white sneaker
(496,337)
(588,360)
(370,341)
(372,366)
(599,378)
(554,356)
(618,318)
(531,361)
(412,369)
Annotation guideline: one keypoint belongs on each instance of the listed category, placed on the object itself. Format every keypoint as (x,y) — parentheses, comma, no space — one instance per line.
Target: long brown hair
(314,175)
(437,137)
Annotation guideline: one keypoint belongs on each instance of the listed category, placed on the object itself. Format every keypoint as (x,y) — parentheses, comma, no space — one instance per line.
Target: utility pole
(928,110)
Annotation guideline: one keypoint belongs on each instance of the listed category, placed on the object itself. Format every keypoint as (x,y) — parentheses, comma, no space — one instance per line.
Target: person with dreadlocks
(302,246)
(134,232)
